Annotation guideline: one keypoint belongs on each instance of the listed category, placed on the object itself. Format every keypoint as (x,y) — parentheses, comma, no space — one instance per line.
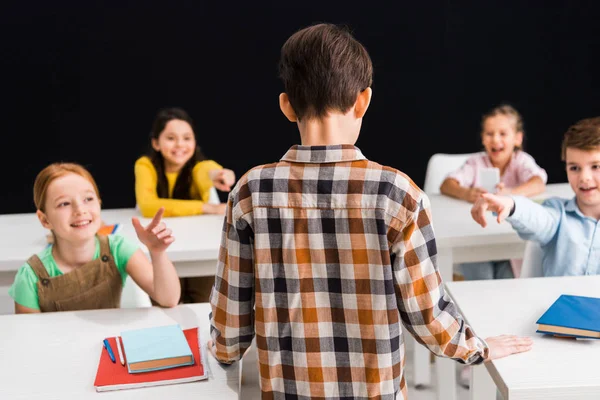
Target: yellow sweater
(147,198)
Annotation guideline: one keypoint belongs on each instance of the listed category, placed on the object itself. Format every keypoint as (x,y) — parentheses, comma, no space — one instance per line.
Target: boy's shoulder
(560,203)
(388,181)
(373,171)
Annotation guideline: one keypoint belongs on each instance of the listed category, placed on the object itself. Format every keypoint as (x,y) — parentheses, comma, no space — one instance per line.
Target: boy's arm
(427,313)
(532,221)
(232,297)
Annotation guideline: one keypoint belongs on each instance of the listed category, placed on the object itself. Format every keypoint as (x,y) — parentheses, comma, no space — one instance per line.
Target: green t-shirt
(24,288)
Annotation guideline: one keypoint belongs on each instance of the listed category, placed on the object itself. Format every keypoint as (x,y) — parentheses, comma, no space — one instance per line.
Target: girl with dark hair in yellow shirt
(176,176)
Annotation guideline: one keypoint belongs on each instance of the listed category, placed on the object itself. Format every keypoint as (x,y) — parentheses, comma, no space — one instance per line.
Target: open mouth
(497,150)
(588,189)
(81,224)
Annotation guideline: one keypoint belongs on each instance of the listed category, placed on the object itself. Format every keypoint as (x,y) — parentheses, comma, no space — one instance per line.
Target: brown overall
(94,285)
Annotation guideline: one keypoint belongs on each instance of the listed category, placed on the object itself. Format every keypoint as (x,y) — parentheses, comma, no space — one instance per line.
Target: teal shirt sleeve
(24,289)
(122,249)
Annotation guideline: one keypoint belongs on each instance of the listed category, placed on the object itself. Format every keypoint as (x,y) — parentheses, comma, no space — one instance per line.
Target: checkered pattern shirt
(323,255)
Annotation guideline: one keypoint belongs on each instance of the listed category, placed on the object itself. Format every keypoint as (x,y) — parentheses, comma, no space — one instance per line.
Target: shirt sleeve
(536,222)
(122,249)
(232,297)
(147,198)
(426,311)
(24,289)
(202,179)
(465,175)
(528,168)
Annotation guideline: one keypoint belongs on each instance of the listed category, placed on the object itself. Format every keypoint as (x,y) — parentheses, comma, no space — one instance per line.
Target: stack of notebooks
(572,316)
(154,356)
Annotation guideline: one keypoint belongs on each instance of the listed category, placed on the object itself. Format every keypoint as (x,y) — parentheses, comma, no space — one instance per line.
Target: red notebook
(114,376)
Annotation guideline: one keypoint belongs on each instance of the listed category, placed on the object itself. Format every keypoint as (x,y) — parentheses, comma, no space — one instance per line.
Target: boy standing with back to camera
(324,253)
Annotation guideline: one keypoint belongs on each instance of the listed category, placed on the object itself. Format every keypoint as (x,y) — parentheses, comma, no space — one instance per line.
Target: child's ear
(286,108)
(362,102)
(519,139)
(43,219)
(155,145)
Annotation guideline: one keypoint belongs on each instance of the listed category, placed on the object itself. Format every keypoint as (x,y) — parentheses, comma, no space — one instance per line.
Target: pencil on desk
(120,350)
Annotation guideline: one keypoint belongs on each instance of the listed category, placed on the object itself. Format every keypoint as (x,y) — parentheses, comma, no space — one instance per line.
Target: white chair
(133,296)
(439,166)
(532,261)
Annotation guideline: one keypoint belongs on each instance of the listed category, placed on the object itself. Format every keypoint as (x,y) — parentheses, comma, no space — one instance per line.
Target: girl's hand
(214,208)
(472,194)
(502,190)
(222,179)
(156,236)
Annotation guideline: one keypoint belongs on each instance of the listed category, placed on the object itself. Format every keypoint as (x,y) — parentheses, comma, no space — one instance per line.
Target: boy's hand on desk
(505,345)
(156,236)
(222,179)
(212,348)
(501,205)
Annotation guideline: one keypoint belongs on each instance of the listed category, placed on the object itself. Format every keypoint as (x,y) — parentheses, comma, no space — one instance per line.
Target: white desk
(554,368)
(194,252)
(55,355)
(460,239)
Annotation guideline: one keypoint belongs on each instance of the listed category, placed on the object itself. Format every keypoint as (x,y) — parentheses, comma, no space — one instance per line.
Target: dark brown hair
(184,179)
(324,68)
(583,135)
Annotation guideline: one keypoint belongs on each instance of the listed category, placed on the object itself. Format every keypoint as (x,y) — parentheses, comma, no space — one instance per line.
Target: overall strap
(105,253)
(38,268)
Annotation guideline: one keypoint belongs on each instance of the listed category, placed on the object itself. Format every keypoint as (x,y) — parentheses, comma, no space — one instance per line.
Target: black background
(82,81)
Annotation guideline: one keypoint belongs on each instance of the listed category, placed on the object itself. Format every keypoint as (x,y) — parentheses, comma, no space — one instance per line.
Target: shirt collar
(572,206)
(323,154)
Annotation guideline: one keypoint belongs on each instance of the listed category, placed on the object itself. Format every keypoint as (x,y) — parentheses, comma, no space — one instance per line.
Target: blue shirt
(570,240)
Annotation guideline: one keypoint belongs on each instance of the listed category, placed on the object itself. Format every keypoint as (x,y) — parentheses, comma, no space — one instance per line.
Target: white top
(56,355)
(197,238)
(555,368)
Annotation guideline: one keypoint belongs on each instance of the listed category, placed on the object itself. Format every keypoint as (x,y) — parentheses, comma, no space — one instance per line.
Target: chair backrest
(532,261)
(439,166)
(133,296)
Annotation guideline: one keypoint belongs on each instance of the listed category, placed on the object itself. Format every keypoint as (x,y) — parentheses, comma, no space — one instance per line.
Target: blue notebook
(156,348)
(575,316)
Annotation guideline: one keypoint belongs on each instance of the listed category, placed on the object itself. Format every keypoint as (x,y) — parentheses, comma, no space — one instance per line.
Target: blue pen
(110,352)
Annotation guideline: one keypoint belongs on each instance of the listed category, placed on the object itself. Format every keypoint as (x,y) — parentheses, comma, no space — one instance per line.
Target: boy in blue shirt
(565,228)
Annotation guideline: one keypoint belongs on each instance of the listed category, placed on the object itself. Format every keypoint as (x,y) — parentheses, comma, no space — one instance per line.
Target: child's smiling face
(583,172)
(176,143)
(500,137)
(72,208)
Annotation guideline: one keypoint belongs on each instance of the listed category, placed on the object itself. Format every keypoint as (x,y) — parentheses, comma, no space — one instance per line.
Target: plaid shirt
(323,255)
